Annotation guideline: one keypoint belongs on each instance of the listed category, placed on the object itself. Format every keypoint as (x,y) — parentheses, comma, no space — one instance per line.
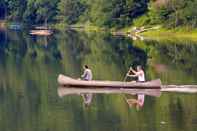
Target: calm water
(29,67)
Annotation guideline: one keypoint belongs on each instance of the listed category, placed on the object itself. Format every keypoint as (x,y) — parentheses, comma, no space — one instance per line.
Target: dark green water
(29,67)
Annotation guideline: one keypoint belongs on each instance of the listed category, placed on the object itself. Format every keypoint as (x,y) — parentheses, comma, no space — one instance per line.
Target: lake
(29,67)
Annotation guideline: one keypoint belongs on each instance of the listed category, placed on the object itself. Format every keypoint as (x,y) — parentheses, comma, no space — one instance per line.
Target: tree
(16,9)
(115,13)
(71,10)
(174,12)
(45,10)
(3,9)
(30,15)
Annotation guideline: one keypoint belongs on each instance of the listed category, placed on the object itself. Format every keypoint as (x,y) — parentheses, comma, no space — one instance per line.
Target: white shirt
(141,76)
(87,75)
(140,98)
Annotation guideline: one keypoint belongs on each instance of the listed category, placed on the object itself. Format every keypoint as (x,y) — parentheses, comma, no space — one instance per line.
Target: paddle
(125,78)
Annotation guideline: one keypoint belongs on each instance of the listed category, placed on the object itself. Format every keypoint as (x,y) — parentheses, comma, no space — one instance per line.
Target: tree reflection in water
(28,85)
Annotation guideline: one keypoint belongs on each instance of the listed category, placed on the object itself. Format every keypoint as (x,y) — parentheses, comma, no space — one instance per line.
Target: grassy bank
(166,33)
(158,32)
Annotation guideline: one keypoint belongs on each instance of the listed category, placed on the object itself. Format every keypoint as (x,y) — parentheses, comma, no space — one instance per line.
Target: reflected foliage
(29,66)
(176,58)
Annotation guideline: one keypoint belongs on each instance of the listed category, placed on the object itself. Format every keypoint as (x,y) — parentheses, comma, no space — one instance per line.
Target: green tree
(70,10)
(45,10)
(174,13)
(16,9)
(115,12)
(3,9)
(30,13)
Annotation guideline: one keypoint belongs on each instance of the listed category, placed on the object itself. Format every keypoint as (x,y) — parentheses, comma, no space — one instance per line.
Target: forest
(102,13)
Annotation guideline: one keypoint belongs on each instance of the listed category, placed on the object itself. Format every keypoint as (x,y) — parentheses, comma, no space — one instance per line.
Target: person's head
(85,67)
(139,68)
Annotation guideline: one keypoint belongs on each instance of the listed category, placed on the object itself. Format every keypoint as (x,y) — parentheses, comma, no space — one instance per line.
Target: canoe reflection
(63,91)
(87,94)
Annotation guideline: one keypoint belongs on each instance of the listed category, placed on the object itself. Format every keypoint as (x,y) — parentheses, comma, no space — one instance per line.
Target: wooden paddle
(125,78)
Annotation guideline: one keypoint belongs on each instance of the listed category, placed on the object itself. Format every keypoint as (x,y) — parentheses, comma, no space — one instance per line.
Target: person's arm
(84,74)
(131,69)
(139,73)
(131,75)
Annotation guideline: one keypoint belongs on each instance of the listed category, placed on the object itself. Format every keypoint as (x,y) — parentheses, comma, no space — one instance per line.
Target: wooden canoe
(70,82)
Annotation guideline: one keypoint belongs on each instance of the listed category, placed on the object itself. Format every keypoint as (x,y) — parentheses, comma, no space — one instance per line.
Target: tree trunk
(45,23)
(176,13)
(45,41)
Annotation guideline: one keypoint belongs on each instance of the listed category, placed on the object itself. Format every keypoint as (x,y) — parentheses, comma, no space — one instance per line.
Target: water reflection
(64,91)
(28,85)
(138,102)
(88,93)
(171,60)
(87,99)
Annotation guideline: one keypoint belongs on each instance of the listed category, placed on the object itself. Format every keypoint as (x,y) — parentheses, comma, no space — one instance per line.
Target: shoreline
(163,33)
(160,33)
(173,33)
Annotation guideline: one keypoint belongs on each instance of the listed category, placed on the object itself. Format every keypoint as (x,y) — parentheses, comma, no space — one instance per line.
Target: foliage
(99,12)
(31,11)
(174,13)
(70,10)
(115,12)
(3,8)
(103,13)
(16,8)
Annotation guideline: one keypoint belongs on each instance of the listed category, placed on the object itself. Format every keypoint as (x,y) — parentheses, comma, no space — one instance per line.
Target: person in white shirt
(139,74)
(87,74)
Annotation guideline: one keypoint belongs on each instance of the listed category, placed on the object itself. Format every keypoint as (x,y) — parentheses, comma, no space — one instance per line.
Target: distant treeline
(107,13)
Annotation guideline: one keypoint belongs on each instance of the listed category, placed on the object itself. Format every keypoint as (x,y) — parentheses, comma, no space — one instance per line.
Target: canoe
(70,82)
